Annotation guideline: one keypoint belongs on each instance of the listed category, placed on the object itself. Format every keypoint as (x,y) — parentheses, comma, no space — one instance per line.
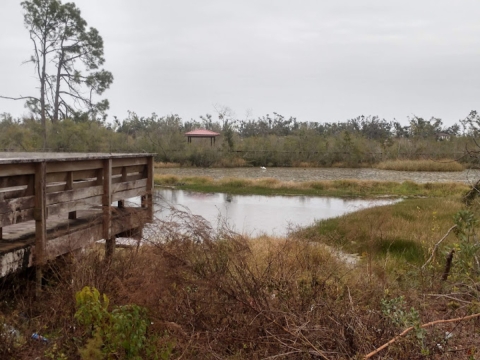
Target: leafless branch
(437,245)
(18,98)
(406,331)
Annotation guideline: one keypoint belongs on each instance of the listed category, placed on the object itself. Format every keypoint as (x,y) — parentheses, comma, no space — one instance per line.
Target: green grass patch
(336,188)
(408,250)
(406,230)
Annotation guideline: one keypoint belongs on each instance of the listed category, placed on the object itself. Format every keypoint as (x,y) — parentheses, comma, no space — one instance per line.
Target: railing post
(107,210)
(147,200)
(40,217)
(72,215)
(121,203)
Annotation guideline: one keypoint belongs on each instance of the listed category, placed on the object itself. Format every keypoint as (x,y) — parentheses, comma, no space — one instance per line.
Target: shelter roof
(201,133)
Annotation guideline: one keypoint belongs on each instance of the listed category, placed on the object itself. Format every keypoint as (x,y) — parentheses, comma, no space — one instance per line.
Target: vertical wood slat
(72,215)
(40,217)
(31,186)
(121,203)
(150,187)
(147,200)
(107,210)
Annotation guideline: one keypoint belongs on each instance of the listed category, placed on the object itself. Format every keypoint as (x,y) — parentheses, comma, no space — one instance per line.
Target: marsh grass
(406,230)
(339,188)
(231,162)
(421,165)
(166,165)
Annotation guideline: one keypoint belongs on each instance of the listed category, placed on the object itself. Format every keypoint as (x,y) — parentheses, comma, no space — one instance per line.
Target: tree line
(270,140)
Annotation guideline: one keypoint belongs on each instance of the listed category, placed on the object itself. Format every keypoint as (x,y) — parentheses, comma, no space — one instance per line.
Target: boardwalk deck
(53,203)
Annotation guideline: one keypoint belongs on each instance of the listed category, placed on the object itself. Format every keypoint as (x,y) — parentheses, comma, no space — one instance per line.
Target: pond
(255,214)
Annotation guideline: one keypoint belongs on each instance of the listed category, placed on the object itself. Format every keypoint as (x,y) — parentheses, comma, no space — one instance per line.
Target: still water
(254,214)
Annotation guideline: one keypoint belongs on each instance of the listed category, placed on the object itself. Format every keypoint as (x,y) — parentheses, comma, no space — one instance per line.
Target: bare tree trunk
(57,88)
(43,76)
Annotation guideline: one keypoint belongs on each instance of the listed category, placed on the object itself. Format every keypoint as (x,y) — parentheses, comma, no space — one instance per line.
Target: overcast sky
(315,60)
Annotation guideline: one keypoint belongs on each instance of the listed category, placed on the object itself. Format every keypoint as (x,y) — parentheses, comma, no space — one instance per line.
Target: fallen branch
(406,331)
(437,245)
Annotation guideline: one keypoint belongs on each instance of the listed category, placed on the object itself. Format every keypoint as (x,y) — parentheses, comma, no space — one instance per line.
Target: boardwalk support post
(107,209)
(40,216)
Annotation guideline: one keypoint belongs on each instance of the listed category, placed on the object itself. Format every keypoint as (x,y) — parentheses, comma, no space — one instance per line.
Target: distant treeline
(270,140)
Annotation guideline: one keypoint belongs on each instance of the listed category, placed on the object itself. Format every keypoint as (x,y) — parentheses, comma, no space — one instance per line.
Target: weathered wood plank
(74,205)
(14,211)
(129,185)
(15,217)
(52,188)
(129,169)
(57,177)
(129,162)
(73,241)
(15,260)
(12,194)
(17,169)
(75,194)
(62,176)
(133,177)
(14,181)
(128,194)
(64,166)
(128,219)
(17,204)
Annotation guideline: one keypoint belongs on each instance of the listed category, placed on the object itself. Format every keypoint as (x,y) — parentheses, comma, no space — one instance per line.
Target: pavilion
(202,133)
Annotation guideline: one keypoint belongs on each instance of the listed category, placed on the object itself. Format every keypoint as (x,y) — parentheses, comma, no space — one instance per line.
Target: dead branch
(436,246)
(18,98)
(406,331)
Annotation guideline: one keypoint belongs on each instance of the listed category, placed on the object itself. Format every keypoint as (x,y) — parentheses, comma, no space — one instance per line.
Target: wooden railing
(43,187)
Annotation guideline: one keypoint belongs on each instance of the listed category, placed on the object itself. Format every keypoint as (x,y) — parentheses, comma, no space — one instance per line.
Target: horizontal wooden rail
(70,185)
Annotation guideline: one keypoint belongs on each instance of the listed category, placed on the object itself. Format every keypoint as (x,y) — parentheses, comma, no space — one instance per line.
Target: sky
(323,61)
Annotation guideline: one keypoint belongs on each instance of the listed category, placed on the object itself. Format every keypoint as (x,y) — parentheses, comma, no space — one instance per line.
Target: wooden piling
(40,216)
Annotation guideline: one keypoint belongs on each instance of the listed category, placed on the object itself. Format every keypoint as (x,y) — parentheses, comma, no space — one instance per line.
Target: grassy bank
(421,165)
(406,230)
(398,165)
(338,188)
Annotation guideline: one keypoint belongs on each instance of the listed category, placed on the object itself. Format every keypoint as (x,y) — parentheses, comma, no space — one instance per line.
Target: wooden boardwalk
(54,203)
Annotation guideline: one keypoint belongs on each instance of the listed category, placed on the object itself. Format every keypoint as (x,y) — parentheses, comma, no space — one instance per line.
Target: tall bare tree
(67,56)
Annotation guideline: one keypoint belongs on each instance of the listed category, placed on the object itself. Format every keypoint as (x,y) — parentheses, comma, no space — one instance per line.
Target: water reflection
(255,215)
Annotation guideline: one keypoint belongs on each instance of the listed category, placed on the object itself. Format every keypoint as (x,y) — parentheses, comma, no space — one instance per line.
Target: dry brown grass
(348,188)
(231,163)
(166,165)
(421,165)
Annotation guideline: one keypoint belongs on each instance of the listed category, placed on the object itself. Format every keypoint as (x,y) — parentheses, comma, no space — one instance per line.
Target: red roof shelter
(202,133)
